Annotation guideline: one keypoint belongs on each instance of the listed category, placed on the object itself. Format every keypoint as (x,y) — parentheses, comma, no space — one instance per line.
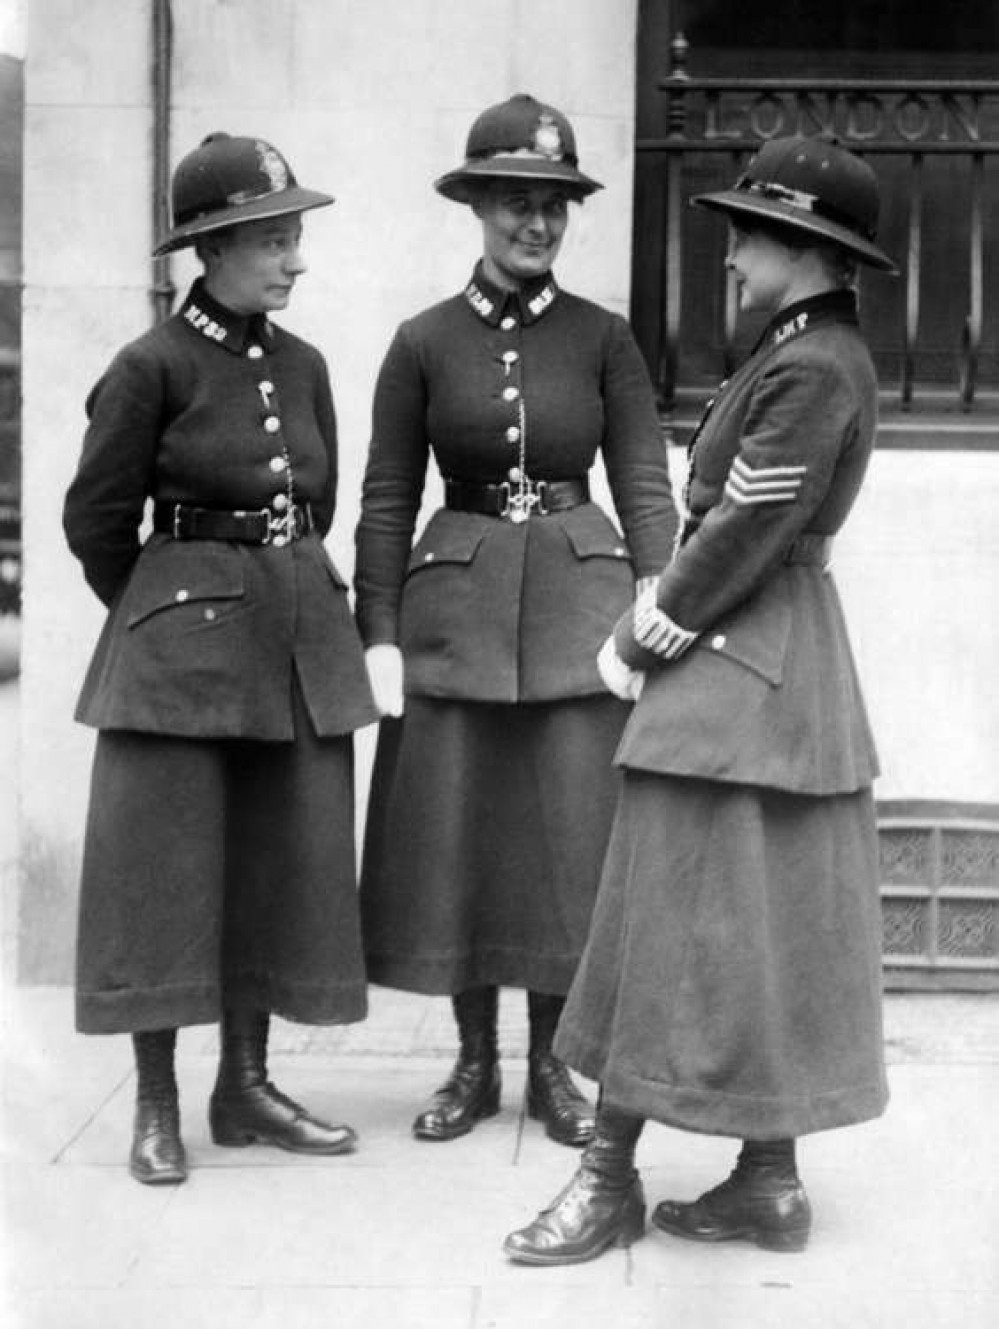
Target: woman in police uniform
(218,872)
(493,790)
(732,980)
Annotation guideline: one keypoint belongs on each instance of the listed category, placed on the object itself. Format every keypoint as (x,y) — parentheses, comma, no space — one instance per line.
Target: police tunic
(732,979)
(492,797)
(219,858)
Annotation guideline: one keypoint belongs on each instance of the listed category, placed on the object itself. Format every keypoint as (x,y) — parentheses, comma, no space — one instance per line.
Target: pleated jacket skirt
(486,832)
(732,980)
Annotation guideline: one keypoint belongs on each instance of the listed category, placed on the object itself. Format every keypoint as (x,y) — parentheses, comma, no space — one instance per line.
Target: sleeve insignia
(747,485)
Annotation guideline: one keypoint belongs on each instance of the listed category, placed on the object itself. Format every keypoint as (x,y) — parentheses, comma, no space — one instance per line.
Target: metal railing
(719,122)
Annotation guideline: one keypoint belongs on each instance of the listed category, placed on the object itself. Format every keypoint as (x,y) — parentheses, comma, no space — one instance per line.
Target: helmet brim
(258,209)
(739,203)
(459,184)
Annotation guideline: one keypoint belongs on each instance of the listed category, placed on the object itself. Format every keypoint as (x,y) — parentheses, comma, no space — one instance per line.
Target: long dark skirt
(732,981)
(485,835)
(219,873)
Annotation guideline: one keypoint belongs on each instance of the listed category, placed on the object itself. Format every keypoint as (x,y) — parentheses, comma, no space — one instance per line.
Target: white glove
(619,678)
(385,676)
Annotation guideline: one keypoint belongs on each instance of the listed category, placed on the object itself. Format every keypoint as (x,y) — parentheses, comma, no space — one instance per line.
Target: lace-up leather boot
(472,1090)
(157,1157)
(602,1206)
(763,1201)
(245,1108)
(552,1096)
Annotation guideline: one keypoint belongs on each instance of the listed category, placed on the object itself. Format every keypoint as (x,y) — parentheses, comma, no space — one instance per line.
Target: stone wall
(370,102)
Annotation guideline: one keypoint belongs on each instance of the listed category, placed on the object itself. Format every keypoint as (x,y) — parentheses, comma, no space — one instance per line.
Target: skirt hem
(135,1010)
(710,1112)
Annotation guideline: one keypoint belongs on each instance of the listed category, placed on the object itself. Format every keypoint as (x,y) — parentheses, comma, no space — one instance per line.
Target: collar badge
(479,301)
(791,328)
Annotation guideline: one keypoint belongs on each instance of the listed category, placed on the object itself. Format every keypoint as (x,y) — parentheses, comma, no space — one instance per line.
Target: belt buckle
(285,526)
(176,521)
(270,526)
(529,495)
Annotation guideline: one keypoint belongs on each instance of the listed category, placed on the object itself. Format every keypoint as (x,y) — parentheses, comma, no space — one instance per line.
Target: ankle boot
(157,1157)
(472,1090)
(603,1205)
(552,1097)
(763,1201)
(245,1108)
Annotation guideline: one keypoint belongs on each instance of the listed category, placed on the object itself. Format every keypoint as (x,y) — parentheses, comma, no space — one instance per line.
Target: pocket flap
(446,542)
(592,534)
(756,635)
(162,582)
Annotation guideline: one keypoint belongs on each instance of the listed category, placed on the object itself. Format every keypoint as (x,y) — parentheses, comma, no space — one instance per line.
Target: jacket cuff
(658,639)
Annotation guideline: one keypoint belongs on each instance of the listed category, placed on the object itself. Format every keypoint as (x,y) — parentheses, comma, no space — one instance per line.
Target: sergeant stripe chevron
(763,484)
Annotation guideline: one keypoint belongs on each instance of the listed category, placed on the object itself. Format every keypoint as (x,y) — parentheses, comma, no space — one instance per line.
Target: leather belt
(500,500)
(810,549)
(260,526)
(807,550)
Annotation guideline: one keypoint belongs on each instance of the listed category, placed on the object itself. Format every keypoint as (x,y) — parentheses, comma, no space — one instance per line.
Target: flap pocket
(592,534)
(446,541)
(756,635)
(162,582)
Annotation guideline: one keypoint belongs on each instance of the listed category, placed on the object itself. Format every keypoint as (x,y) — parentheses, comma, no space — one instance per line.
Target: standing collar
(220,325)
(527,305)
(839,306)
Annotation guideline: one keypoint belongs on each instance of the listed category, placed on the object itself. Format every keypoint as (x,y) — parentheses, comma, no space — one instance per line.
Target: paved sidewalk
(405,1235)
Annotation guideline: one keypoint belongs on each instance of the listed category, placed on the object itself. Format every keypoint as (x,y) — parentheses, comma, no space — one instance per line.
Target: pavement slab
(406,1235)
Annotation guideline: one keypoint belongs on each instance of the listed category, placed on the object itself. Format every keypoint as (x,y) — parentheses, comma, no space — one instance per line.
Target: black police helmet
(813,185)
(228,180)
(521,139)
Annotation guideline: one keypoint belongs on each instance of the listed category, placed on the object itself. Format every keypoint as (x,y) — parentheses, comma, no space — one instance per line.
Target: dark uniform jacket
(485,609)
(214,410)
(768,693)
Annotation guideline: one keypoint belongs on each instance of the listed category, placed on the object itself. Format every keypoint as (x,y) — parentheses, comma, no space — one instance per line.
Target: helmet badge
(547,139)
(272,165)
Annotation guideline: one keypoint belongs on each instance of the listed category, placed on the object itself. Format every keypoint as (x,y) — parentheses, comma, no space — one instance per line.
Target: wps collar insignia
(480,302)
(806,315)
(220,325)
(491,303)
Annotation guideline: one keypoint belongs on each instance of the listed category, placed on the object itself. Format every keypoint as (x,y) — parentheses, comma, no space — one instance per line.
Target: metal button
(181,596)
(210,615)
(620,551)
(511,393)
(511,357)
(513,434)
(272,424)
(428,558)
(513,474)
(277,464)
(507,323)
(279,502)
(718,641)
(279,541)
(254,352)
(266,386)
